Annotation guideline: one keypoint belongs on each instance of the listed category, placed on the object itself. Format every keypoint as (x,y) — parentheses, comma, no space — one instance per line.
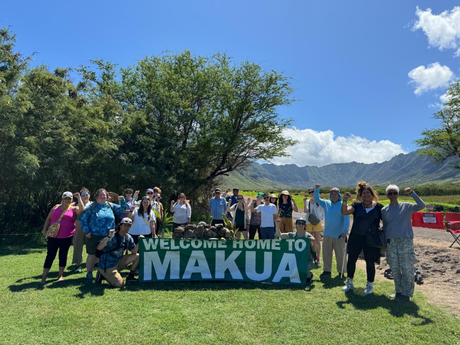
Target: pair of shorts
(314,228)
(112,274)
(91,244)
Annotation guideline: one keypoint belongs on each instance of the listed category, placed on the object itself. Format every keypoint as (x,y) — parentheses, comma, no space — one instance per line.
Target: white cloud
(443,30)
(431,77)
(323,148)
(445,98)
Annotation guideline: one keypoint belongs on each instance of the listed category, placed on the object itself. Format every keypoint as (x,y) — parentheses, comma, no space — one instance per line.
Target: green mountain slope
(404,169)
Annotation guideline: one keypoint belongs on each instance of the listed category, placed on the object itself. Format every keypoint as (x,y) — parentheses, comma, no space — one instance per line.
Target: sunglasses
(84,194)
(392,193)
(311,192)
(129,193)
(265,197)
(240,198)
(301,223)
(149,193)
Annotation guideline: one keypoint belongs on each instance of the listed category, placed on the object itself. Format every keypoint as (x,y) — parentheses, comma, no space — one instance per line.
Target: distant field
(445,200)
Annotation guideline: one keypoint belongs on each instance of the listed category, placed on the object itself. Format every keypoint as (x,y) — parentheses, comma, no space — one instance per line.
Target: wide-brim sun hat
(273,196)
(285,192)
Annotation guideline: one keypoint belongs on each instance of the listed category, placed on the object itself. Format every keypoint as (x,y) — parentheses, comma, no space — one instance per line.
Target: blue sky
(350,60)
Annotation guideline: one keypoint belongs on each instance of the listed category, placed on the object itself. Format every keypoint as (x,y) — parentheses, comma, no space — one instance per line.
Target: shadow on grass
(360,302)
(330,283)
(213,285)
(87,287)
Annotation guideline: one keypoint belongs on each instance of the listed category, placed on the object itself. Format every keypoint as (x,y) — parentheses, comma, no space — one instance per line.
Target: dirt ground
(439,265)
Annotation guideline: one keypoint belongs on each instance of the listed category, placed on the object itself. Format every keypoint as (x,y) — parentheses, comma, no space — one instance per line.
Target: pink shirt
(67,227)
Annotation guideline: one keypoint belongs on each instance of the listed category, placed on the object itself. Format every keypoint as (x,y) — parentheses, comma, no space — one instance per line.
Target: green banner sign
(271,261)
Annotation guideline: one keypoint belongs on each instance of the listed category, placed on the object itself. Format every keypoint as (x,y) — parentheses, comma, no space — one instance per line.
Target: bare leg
(238,235)
(45,273)
(90,262)
(245,235)
(61,274)
(317,236)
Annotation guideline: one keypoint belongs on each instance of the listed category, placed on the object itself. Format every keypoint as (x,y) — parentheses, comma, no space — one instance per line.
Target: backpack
(100,252)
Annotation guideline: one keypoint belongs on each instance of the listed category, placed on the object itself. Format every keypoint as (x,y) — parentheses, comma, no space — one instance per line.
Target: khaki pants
(112,274)
(286,225)
(78,243)
(338,246)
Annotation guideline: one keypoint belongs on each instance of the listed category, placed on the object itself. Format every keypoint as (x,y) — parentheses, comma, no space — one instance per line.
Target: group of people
(267,216)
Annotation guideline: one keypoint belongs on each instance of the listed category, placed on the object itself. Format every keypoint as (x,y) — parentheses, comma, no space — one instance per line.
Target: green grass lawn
(79,312)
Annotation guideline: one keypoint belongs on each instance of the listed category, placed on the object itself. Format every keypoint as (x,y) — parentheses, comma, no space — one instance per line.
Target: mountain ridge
(403,169)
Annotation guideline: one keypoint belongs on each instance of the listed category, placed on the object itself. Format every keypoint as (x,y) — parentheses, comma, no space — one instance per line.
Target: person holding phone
(182,212)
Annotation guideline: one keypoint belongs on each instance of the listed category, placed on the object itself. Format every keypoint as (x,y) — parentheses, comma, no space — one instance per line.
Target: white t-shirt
(267,215)
(141,226)
(181,213)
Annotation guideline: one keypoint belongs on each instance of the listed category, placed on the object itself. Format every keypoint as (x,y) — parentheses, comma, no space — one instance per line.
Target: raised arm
(80,209)
(305,205)
(420,204)
(294,205)
(117,209)
(346,210)
(317,197)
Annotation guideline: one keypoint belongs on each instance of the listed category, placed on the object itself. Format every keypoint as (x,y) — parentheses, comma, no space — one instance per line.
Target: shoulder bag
(53,229)
(312,219)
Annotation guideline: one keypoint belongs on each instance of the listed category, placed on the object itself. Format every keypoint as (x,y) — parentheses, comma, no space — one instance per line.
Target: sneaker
(77,270)
(131,279)
(318,261)
(310,278)
(89,276)
(99,278)
(349,285)
(325,274)
(395,295)
(369,288)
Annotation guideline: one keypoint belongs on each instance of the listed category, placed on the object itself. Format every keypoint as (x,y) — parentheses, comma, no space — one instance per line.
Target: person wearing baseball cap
(59,229)
(300,227)
(217,205)
(112,260)
(335,230)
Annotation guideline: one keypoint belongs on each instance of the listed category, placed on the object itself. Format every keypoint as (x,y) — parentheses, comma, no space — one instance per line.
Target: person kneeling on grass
(112,259)
(301,225)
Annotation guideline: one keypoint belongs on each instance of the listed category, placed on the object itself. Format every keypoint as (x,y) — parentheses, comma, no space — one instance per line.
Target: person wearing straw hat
(285,207)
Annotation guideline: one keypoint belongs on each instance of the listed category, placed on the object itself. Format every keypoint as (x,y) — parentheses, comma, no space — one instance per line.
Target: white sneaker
(349,285)
(369,288)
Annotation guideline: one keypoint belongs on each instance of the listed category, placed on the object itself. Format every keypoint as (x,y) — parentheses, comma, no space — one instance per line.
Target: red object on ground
(453,226)
(433,220)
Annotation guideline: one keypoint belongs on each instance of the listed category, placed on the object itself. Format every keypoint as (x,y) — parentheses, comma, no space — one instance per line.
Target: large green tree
(185,120)
(444,142)
(178,121)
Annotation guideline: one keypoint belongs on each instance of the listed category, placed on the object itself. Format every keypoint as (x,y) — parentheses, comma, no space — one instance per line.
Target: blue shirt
(111,259)
(335,223)
(217,207)
(102,218)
